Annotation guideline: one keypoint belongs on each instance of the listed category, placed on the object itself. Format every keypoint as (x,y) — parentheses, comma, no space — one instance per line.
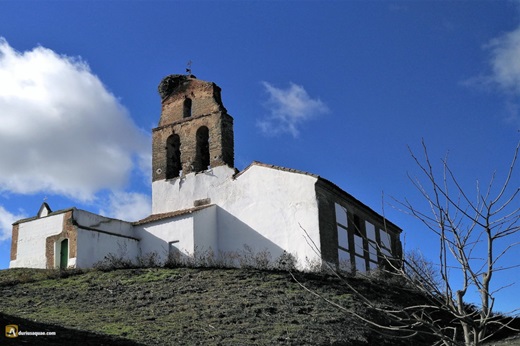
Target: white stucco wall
(31,241)
(87,219)
(190,232)
(156,236)
(205,229)
(93,246)
(263,208)
(180,193)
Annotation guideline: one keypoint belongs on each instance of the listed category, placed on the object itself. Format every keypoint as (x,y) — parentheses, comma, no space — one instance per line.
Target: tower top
(170,83)
(186,97)
(195,132)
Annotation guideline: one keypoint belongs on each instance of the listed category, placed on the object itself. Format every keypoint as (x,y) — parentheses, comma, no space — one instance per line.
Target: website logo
(11,331)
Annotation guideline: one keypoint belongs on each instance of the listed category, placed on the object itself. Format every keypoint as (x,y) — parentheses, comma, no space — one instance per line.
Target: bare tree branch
(468,231)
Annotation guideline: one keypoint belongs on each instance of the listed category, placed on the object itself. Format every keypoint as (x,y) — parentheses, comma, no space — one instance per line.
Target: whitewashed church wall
(94,246)
(31,241)
(264,209)
(157,236)
(205,229)
(87,219)
(181,193)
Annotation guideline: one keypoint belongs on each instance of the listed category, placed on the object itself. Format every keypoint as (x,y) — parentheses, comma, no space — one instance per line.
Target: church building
(201,203)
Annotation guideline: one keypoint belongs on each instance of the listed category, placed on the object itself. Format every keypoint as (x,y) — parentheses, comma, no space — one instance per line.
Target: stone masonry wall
(206,110)
(14,242)
(68,231)
(205,97)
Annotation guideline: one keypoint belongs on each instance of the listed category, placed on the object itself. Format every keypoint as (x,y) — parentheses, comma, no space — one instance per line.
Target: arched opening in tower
(186,110)
(173,156)
(202,154)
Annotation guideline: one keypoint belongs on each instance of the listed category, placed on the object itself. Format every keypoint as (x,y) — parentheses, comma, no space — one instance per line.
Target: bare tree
(421,271)
(473,236)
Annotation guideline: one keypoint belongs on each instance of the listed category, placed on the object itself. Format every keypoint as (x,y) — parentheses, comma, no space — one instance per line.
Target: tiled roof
(157,217)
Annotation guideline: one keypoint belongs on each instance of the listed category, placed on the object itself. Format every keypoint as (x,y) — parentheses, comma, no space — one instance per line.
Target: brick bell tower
(195,133)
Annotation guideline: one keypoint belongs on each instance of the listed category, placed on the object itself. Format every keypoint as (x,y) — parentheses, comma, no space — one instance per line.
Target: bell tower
(195,133)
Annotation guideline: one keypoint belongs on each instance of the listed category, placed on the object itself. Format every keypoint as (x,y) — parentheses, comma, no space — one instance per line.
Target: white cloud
(6,221)
(128,206)
(62,131)
(505,61)
(289,108)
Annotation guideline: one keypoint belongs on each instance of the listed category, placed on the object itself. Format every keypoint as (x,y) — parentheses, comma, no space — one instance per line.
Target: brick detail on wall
(206,110)
(327,221)
(68,231)
(327,195)
(14,242)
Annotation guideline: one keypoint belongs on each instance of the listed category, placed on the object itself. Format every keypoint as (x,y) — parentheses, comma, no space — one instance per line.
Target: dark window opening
(173,157)
(202,154)
(354,224)
(186,110)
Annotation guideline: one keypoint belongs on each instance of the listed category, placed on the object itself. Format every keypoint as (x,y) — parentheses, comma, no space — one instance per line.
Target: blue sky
(338,88)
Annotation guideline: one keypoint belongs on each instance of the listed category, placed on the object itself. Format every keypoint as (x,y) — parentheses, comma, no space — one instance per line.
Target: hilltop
(189,306)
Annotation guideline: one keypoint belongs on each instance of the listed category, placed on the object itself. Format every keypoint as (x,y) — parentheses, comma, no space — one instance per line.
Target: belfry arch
(194,131)
(173,156)
(202,161)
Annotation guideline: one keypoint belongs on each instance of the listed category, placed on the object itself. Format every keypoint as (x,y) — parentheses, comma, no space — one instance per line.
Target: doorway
(64,254)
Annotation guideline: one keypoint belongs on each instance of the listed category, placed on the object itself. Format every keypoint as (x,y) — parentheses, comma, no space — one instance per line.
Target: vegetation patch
(194,306)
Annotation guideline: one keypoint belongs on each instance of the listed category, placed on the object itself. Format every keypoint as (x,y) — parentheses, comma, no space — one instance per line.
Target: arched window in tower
(202,154)
(186,110)
(173,157)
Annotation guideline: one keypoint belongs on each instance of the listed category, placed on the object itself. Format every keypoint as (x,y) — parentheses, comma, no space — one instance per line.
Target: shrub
(149,260)
(286,262)
(111,262)
(64,273)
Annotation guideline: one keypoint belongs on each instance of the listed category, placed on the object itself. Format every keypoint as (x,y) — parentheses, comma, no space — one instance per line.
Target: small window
(341,215)
(372,265)
(342,238)
(358,245)
(357,225)
(386,243)
(354,224)
(372,251)
(186,108)
(344,260)
(361,264)
(371,231)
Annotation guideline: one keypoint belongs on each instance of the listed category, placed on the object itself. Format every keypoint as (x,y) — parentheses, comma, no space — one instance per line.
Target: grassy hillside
(186,306)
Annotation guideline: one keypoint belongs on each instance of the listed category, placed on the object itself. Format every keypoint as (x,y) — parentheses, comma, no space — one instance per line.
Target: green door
(64,254)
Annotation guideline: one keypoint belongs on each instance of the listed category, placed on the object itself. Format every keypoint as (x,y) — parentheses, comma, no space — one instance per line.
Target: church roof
(279,168)
(38,216)
(327,183)
(162,216)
